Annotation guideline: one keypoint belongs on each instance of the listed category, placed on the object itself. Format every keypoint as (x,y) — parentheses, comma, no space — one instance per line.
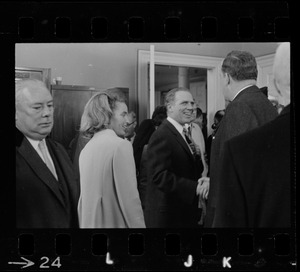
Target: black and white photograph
(149,136)
(153,135)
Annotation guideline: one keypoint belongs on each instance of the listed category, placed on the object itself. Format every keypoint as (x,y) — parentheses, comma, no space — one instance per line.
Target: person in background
(256,171)
(201,121)
(47,189)
(275,103)
(273,99)
(173,169)
(217,119)
(144,132)
(109,197)
(198,138)
(249,108)
(75,147)
(264,90)
(198,141)
(142,177)
(130,127)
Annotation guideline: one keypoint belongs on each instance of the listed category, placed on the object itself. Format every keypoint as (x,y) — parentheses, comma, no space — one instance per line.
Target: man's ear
(228,78)
(169,107)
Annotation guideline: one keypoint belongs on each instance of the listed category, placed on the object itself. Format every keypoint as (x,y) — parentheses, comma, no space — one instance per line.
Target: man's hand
(203,187)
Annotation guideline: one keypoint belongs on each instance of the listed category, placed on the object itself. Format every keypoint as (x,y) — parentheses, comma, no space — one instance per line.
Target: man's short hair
(240,65)
(31,84)
(170,96)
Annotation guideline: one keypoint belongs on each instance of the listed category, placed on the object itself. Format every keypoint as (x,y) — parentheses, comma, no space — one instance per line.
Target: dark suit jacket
(142,178)
(41,200)
(78,144)
(142,137)
(250,109)
(171,200)
(255,189)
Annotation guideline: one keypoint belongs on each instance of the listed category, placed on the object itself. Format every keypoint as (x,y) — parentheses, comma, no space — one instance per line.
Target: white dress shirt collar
(34,143)
(176,125)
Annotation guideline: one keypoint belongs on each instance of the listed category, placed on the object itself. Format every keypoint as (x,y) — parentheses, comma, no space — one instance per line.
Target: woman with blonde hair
(109,196)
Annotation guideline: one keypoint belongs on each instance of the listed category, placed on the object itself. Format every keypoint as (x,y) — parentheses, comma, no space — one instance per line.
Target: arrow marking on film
(27,263)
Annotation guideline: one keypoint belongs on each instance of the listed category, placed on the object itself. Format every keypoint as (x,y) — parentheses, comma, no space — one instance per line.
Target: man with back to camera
(172,169)
(47,190)
(255,191)
(249,108)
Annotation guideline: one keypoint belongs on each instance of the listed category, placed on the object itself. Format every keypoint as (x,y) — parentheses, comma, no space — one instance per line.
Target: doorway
(214,96)
(168,77)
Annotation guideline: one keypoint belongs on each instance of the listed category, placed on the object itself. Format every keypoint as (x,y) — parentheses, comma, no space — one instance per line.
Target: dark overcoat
(41,200)
(250,109)
(255,191)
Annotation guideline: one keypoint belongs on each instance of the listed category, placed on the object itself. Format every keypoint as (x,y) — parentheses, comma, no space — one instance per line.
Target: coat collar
(27,151)
(178,137)
(19,137)
(250,89)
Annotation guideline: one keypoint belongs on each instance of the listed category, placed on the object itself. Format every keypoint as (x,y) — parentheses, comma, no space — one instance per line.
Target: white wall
(105,65)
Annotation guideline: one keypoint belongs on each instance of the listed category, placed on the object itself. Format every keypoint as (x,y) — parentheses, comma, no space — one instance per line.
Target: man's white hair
(281,69)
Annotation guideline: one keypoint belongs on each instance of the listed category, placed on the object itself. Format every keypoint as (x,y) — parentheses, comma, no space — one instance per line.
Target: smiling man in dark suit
(173,169)
(256,187)
(46,188)
(249,108)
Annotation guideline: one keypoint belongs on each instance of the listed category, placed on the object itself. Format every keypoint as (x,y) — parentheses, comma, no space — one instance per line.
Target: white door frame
(215,98)
(265,73)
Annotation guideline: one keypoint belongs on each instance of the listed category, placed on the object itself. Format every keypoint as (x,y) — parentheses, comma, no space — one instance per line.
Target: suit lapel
(179,138)
(39,167)
(63,171)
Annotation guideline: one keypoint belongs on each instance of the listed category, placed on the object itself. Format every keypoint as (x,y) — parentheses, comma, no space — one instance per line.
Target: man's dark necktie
(189,140)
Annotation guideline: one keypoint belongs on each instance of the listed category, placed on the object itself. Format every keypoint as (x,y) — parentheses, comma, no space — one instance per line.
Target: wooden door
(69,102)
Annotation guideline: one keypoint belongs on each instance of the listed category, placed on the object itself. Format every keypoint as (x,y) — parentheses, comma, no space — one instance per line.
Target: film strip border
(154,249)
(206,250)
(148,21)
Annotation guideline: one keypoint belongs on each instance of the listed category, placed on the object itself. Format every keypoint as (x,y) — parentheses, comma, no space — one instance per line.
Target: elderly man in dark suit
(173,169)
(249,108)
(47,191)
(255,190)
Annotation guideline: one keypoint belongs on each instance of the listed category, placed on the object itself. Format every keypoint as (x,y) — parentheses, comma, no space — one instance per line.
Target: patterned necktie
(42,147)
(189,140)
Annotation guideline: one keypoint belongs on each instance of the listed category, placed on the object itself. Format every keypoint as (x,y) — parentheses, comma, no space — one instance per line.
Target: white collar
(175,124)
(34,143)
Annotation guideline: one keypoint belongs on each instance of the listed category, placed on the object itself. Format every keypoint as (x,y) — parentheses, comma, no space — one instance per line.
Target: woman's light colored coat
(109,197)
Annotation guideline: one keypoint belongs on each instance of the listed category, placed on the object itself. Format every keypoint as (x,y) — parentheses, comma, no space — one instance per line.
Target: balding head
(281,72)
